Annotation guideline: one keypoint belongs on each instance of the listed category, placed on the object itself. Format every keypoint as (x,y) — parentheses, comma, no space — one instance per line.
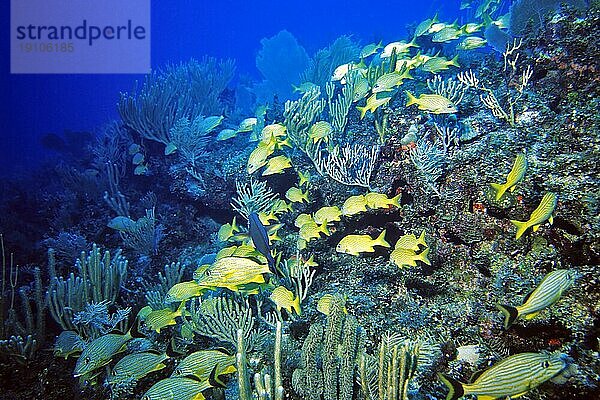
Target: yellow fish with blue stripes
(542,213)
(136,366)
(514,176)
(179,388)
(548,292)
(512,377)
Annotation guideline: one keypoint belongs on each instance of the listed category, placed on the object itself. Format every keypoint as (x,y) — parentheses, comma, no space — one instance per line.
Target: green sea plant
(386,375)
(329,356)
(98,280)
(179,91)
(22,333)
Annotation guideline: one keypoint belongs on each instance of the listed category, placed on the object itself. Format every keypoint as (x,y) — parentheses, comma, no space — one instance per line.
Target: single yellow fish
(328,301)
(513,178)
(247,125)
(354,205)
(277,165)
(408,258)
(136,366)
(284,298)
(259,155)
(159,319)
(203,363)
(100,352)
(179,388)
(320,131)
(231,272)
(542,213)
(356,244)
(327,215)
(311,230)
(511,377)
(411,242)
(548,292)
(226,231)
(374,101)
(183,291)
(296,195)
(302,219)
(433,103)
(380,200)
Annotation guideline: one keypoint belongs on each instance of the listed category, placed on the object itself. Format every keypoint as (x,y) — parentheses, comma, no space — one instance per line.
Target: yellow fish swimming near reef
(302,219)
(542,213)
(183,291)
(408,258)
(548,292)
(356,244)
(320,131)
(513,178)
(136,366)
(67,344)
(100,352)
(433,103)
(374,101)
(159,319)
(411,242)
(277,165)
(179,388)
(311,230)
(509,378)
(354,205)
(259,156)
(296,195)
(203,363)
(376,200)
(232,272)
(285,298)
(327,215)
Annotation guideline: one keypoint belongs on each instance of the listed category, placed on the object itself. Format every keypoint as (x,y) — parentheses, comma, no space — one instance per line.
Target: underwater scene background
(326,200)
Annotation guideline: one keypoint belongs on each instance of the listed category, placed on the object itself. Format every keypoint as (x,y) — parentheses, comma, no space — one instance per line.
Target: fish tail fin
(499,189)
(323,228)
(296,88)
(435,18)
(521,227)
(510,314)
(424,256)
(454,61)
(395,201)
(455,388)
(406,74)
(380,241)
(421,239)
(410,99)
(363,111)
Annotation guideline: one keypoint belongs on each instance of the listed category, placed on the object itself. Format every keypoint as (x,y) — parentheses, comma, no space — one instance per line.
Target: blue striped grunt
(513,178)
(513,376)
(542,213)
(548,292)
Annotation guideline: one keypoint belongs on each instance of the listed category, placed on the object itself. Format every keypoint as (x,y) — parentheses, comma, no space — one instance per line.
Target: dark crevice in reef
(424,289)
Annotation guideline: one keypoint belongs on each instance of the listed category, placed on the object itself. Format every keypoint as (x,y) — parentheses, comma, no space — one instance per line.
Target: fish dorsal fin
(476,375)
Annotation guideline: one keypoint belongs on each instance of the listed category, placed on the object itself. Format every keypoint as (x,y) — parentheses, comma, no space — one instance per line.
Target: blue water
(34,105)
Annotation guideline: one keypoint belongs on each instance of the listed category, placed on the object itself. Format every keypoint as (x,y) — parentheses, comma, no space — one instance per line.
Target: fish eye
(87,360)
(545,364)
